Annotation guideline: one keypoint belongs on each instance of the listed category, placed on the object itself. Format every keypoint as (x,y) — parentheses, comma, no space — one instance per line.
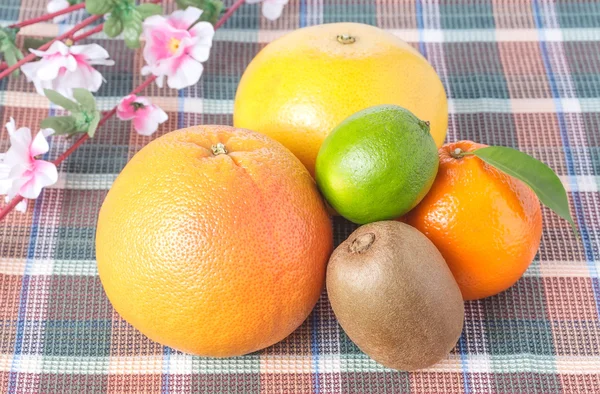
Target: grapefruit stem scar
(218,149)
(346,39)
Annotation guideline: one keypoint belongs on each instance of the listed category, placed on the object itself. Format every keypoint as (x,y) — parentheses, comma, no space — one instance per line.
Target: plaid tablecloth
(518,73)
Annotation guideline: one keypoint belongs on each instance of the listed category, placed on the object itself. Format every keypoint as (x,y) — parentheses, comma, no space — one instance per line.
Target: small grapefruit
(377,164)
(214,241)
(299,87)
(486,224)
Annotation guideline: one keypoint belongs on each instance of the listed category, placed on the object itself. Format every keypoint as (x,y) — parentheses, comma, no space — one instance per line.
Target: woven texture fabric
(519,73)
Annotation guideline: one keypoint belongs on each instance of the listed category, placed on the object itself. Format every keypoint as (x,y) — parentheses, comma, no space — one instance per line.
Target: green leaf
(212,11)
(94,124)
(12,56)
(60,124)
(113,26)
(183,4)
(99,7)
(9,33)
(34,43)
(537,175)
(62,101)
(85,98)
(131,34)
(148,9)
(8,48)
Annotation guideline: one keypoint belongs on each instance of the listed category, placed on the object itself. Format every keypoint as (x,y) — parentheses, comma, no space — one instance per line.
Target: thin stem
(48,16)
(13,203)
(10,206)
(104,119)
(458,153)
(31,56)
(228,13)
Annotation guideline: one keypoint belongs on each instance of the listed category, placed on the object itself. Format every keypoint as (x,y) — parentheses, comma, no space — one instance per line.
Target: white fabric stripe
(583,183)
(430,34)
(455,106)
(185,364)
(543,269)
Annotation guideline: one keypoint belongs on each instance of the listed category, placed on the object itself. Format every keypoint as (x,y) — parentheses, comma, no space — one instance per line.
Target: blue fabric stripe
(314,347)
(564,135)
(24,295)
(420,26)
(462,347)
(302,13)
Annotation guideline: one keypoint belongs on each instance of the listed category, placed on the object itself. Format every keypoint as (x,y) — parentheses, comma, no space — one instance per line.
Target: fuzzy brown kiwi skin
(394,296)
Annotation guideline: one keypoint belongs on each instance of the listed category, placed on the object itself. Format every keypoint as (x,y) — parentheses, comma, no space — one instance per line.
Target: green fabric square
(577,14)
(77,338)
(489,129)
(519,336)
(472,15)
(76,243)
(359,11)
(526,382)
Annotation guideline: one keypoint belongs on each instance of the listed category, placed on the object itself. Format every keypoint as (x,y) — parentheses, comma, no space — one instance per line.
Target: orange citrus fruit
(214,241)
(486,224)
(299,87)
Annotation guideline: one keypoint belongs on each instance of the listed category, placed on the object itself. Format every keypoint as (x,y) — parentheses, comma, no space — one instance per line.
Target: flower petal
(125,110)
(57,47)
(91,51)
(200,52)
(56,5)
(183,19)
(21,206)
(5,181)
(49,68)
(43,174)
(39,145)
(204,31)
(272,10)
(186,73)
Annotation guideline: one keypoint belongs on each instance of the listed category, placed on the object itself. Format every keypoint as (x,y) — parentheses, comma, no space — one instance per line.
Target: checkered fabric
(520,73)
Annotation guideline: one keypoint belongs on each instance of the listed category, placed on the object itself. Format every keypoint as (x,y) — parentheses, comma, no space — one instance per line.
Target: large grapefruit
(213,241)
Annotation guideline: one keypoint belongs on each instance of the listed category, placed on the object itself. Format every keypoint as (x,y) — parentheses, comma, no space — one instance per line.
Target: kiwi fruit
(394,296)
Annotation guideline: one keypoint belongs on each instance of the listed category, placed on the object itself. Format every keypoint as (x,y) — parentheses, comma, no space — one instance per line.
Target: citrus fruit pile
(217,241)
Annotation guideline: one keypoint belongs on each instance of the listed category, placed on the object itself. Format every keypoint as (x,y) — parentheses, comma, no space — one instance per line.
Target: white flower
(21,172)
(55,6)
(271,9)
(6,183)
(176,47)
(63,68)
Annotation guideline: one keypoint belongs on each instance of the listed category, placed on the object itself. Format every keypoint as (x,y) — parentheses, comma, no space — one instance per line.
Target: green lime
(377,164)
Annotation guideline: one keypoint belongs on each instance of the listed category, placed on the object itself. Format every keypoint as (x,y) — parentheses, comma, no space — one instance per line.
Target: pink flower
(271,9)
(146,116)
(21,173)
(175,49)
(63,68)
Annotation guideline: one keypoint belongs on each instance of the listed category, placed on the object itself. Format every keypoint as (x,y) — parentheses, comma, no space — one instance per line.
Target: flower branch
(69,34)
(193,50)
(49,16)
